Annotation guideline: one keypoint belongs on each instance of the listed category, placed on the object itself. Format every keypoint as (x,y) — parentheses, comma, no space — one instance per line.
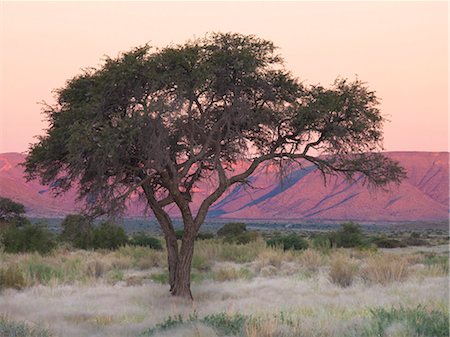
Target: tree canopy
(158,121)
(11,211)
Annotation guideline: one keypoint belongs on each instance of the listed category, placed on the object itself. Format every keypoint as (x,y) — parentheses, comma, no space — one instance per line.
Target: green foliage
(420,321)
(10,210)
(205,236)
(350,235)
(414,239)
(226,324)
(162,278)
(144,240)
(78,230)
(42,273)
(232,229)
(115,275)
(432,259)
(288,242)
(31,238)
(179,234)
(201,263)
(109,236)
(11,277)
(321,242)
(384,241)
(9,328)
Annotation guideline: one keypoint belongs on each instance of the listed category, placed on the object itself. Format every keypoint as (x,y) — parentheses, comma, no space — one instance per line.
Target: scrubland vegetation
(245,283)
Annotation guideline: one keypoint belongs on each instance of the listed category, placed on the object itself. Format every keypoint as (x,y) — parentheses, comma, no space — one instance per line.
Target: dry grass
(342,270)
(385,268)
(311,260)
(105,293)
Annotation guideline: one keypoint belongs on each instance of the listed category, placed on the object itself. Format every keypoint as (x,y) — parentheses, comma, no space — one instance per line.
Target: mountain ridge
(422,196)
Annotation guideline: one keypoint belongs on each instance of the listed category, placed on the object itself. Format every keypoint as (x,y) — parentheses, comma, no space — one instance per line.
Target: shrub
(288,242)
(12,277)
(144,240)
(201,263)
(342,271)
(205,236)
(385,242)
(226,324)
(231,229)
(31,238)
(321,242)
(432,259)
(240,253)
(419,321)
(20,329)
(109,236)
(78,230)
(311,260)
(384,269)
(350,235)
(179,234)
(243,238)
(41,273)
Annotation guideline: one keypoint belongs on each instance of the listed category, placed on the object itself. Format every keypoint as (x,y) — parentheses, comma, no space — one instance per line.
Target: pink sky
(399,48)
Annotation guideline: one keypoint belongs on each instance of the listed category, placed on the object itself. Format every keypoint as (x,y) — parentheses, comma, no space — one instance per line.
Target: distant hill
(301,194)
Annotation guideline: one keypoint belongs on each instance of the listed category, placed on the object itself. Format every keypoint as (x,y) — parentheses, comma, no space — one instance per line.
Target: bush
(311,260)
(12,277)
(419,322)
(109,236)
(384,269)
(78,230)
(205,236)
(288,242)
(342,271)
(179,234)
(232,229)
(385,242)
(321,242)
(243,238)
(350,235)
(144,240)
(20,329)
(31,238)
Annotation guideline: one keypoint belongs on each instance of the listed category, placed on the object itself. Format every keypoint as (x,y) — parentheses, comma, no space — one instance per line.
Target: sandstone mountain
(301,194)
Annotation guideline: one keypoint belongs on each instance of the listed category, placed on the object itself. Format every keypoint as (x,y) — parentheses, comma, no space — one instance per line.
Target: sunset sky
(399,48)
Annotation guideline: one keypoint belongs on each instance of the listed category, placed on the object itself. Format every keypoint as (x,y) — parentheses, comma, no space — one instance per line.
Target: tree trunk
(172,258)
(182,285)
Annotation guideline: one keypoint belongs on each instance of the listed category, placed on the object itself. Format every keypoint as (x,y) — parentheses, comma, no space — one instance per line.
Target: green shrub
(179,234)
(385,242)
(162,278)
(31,238)
(12,277)
(231,229)
(432,259)
(144,240)
(288,242)
(109,236)
(9,328)
(321,242)
(350,235)
(201,263)
(78,230)
(41,273)
(226,324)
(243,238)
(419,321)
(205,236)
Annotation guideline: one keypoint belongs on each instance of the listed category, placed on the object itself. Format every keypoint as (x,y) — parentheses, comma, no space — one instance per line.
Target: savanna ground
(250,290)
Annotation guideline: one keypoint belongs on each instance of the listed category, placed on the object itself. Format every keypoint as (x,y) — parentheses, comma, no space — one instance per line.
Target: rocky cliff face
(300,194)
